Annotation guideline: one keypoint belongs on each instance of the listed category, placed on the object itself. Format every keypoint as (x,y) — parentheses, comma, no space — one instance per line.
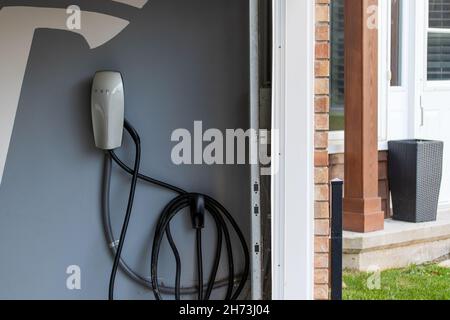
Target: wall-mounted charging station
(107,106)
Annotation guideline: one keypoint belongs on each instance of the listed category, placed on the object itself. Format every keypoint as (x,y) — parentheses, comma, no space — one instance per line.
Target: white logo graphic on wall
(17,27)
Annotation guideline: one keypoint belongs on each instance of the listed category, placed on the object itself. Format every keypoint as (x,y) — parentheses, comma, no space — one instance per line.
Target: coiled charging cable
(199,205)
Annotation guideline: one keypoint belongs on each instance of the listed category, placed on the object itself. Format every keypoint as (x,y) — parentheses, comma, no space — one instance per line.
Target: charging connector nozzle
(198,211)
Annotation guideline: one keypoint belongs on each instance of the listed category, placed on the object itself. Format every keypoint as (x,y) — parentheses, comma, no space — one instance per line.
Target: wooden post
(362,205)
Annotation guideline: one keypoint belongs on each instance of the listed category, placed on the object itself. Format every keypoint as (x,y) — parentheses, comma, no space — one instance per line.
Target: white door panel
(436,126)
(397,114)
(433,120)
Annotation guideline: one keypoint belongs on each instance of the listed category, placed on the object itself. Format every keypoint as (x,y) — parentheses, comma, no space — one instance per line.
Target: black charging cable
(199,205)
(137,141)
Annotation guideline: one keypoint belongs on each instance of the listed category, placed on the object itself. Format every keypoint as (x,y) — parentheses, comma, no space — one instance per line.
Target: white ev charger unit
(108,107)
(108,123)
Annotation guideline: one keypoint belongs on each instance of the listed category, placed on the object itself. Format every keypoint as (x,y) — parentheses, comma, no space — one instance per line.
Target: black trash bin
(415,176)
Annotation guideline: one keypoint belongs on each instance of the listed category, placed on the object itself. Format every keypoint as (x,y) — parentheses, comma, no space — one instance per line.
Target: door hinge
(256,187)
(256,210)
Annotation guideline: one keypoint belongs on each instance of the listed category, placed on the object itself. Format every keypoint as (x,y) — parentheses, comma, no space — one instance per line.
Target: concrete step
(445,264)
(399,245)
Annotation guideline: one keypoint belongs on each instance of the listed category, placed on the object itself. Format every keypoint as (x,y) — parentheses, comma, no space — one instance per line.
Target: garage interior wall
(182,61)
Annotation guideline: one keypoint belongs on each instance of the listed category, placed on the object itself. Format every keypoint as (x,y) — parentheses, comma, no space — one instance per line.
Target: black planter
(415,175)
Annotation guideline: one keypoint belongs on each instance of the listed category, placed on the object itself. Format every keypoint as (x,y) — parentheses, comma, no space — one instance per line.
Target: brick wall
(322,102)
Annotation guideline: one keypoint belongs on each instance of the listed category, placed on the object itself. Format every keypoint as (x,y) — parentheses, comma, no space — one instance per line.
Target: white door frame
(432,98)
(293,147)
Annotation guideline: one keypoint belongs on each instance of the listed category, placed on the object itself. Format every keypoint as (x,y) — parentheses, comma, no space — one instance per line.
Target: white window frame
(401,99)
(430,85)
(336,138)
(404,57)
(293,147)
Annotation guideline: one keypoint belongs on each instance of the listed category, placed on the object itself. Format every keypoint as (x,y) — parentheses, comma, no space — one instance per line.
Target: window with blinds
(337,66)
(438,58)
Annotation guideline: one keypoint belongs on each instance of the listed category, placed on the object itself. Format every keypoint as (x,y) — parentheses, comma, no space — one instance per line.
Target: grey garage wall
(182,61)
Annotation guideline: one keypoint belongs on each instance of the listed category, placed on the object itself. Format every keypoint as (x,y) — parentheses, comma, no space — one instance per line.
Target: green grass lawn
(337,122)
(429,282)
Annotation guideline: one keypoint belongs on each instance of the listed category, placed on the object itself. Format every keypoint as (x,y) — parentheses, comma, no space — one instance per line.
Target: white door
(398,38)
(433,114)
